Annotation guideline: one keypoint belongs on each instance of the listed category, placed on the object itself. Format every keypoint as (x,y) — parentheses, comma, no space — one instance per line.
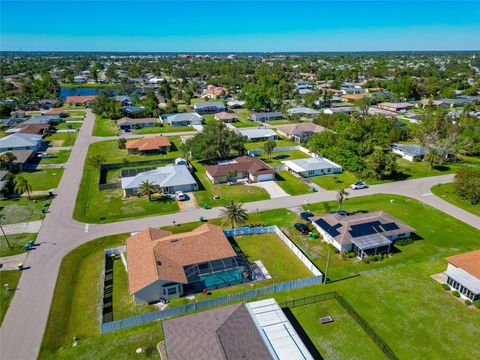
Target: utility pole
(5,235)
(328,262)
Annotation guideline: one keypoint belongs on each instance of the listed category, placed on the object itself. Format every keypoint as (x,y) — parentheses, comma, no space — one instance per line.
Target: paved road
(24,324)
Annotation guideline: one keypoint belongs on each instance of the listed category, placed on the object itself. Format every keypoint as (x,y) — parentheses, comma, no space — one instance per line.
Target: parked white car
(359,185)
(180,196)
(44,155)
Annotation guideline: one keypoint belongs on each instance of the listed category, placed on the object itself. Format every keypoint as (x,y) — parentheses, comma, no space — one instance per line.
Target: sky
(239,26)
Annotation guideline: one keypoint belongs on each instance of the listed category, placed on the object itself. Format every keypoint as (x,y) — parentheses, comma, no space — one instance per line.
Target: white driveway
(273,189)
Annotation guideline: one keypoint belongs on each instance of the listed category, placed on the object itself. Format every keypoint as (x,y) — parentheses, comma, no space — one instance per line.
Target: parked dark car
(339,212)
(306,215)
(302,228)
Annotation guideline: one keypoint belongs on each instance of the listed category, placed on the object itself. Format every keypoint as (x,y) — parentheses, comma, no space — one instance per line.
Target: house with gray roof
(182,119)
(258,134)
(303,111)
(43,120)
(313,166)
(209,107)
(21,141)
(409,152)
(267,116)
(170,178)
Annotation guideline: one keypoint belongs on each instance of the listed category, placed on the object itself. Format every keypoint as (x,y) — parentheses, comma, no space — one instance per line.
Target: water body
(64,92)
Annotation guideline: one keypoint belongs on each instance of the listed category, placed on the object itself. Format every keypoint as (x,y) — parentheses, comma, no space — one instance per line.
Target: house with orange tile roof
(85,100)
(463,274)
(148,145)
(162,265)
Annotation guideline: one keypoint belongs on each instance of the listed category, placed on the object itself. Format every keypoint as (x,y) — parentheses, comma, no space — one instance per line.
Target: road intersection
(24,324)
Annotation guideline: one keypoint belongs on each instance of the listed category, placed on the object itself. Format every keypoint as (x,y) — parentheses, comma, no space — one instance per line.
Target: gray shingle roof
(170,175)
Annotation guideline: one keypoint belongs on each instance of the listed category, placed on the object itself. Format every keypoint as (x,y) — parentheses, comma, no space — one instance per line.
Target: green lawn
(259,144)
(447,192)
(105,127)
(340,339)
(441,235)
(245,124)
(44,179)
(277,157)
(207,190)
(61,157)
(243,115)
(162,129)
(291,184)
(337,181)
(22,209)
(16,242)
(62,139)
(76,113)
(65,126)
(10,277)
(278,122)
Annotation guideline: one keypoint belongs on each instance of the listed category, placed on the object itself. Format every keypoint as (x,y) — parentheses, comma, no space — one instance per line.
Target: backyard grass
(105,127)
(259,144)
(16,242)
(336,181)
(245,124)
(447,192)
(277,157)
(291,184)
(207,190)
(72,126)
(341,339)
(407,308)
(61,139)
(45,179)
(278,122)
(10,277)
(162,129)
(23,210)
(76,113)
(61,157)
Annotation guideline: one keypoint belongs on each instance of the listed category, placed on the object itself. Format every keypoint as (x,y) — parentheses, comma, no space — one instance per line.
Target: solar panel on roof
(332,231)
(365,229)
(390,226)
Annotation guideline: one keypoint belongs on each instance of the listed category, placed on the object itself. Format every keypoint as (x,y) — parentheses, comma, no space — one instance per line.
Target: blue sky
(228,26)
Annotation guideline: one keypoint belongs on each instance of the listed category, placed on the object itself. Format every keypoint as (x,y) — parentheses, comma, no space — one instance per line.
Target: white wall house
(313,166)
(463,274)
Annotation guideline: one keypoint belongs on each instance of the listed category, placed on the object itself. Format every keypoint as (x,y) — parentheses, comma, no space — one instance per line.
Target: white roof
(464,278)
(170,175)
(183,117)
(278,333)
(302,110)
(307,164)
(19,140)
(257,133)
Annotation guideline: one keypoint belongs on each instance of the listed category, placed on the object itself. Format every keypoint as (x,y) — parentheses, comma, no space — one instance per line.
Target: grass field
(162,129)
(10,277)
(341,339)
(407,308)
(291,184)
(64,126)
(44,179)
(259,144)
(277,157)
(207,190)
(105,127)
(447,193)
(61,157)
(16,242)
(62,139)
(22,209)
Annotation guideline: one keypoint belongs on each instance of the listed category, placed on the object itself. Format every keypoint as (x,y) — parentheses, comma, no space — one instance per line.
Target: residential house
(300,132)
(162,265)
(209,107)
(409,152)
(21,141)
(169,178)
(352,90)
(38,129)
(124,100)
(148,145)
(235,104)
(214,92)
(395,107)
(226,117)
(363,233)
(182,119)
(241,168)
(129,124)
(340,110)
(55,112)
(463,274)
(80,79)
(85,100)
(312,166)
(352,97)
(303,111)
(267,116)
(430,102)
(22,159)
(133,110)
(19,114)
(43,120)
(258,134)
(258,330)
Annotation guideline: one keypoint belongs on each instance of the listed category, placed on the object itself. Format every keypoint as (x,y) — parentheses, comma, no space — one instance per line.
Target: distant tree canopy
(215,142)
(467,184)
(107,106)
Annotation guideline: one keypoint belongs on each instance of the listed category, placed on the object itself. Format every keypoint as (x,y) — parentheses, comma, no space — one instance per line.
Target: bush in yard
(467,184)
(445,286)
(403,242)
(468,302)
(456,293)
(477,304)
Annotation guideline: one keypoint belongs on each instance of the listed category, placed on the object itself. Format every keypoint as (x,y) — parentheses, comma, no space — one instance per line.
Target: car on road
(301,228)
(359,185)
(180,196)
(306,215)
(44,155)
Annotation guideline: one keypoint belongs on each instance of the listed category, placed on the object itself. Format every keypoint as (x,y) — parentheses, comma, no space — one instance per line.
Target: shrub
(456,293)
(403,242)
(468,302)
(477,304)
(445,286)
(349,255)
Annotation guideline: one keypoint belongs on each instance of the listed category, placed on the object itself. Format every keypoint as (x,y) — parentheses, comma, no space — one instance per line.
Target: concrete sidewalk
(20,228)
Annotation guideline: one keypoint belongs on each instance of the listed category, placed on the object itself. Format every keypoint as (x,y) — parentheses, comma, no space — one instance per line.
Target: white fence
(274,229)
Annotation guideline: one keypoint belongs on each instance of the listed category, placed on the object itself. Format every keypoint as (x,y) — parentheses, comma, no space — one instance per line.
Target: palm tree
(21,185)
(148,188)
(341,193)
(96,161)
(434,157)
(234,214)
(6,160)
